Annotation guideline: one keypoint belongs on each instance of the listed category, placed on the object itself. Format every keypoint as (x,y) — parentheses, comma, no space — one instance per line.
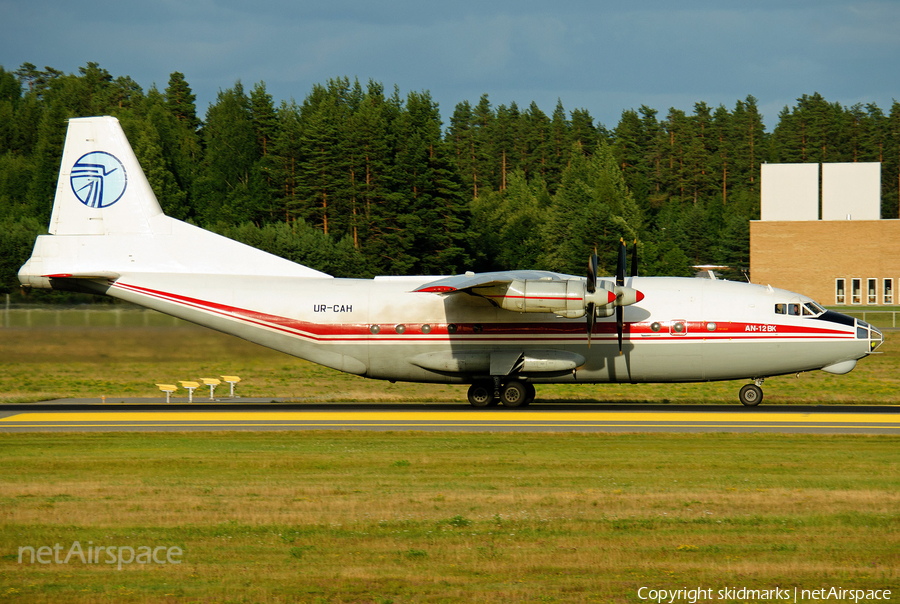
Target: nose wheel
(751,395)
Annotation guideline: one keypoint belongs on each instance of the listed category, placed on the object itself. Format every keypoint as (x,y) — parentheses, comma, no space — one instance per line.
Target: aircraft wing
(469,281)
(522,291)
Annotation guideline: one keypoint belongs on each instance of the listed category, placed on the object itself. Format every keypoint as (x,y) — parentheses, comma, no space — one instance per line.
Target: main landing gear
(514,393)
(511,394)
(751,395)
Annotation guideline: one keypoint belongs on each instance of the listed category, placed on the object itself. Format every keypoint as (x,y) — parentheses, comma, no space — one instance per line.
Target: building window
(871,292)
(856,291)
(888,291)
(839,296)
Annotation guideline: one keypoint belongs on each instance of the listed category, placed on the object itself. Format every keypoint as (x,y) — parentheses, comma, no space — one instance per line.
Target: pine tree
(436,221)
(750,141)
(47,157)
(181,101)
(225,192)
(583,131)
(592,209)
(461,137)
(890,169)
(369,145)
(722,157)
(149,148)
(284,162)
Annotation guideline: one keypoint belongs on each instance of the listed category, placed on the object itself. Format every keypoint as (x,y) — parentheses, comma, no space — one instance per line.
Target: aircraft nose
(864,331)
(876,339)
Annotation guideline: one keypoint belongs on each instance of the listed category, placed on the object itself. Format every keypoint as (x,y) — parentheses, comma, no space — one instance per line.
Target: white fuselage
(683,329)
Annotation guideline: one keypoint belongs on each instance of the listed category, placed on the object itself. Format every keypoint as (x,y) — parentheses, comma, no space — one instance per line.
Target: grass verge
(448,517)
(48,361)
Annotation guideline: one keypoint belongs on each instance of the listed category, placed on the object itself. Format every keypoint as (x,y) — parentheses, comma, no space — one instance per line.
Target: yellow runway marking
(109,418)
(431,418)
(423,425)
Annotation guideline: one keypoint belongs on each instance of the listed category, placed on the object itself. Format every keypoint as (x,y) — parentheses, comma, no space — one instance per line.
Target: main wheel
(529,393)
(481,394)
(513,394)
(751,395)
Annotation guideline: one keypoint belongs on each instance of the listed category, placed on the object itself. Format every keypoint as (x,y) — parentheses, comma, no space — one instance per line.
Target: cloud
(604,56)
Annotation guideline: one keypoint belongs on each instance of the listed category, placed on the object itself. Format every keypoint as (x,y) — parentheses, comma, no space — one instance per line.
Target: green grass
(425,517)
(60,356)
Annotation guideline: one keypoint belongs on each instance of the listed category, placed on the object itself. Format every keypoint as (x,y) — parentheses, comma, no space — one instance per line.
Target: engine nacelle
(626,296)
(566,298)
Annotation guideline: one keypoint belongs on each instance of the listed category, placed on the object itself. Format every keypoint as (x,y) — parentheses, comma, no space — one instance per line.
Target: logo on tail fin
(98,179)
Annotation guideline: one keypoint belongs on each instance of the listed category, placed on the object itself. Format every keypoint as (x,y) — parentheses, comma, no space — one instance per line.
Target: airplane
(500,332)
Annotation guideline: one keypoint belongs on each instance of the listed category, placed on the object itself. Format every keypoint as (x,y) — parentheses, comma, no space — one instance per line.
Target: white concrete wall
(789,192)
(852,189)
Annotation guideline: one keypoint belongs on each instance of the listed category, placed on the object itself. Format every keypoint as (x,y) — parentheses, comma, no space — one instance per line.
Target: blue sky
(601,56)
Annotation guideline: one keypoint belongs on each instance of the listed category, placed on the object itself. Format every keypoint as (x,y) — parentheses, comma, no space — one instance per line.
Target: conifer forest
(357,181)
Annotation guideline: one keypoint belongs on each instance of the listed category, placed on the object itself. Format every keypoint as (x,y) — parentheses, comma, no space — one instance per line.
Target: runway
(249,414)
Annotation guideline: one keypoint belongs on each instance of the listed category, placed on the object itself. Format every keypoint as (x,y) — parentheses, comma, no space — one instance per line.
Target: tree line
(357,181)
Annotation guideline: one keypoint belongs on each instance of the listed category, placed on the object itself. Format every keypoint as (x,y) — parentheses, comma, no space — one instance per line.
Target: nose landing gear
(751,395)
(513,393)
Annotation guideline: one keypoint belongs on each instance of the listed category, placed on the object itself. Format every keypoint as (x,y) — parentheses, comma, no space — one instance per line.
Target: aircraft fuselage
(684,330)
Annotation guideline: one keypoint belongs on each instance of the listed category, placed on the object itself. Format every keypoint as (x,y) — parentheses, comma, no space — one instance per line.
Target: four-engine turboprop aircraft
(501,332)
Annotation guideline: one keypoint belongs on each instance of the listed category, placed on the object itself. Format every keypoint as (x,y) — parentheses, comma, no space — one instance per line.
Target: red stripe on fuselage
(572,331)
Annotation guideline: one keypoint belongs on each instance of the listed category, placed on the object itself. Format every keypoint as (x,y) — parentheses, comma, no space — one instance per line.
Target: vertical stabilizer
(101,189)
(107,223)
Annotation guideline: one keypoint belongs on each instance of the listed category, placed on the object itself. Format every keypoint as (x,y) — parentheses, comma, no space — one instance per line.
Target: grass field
(416,517)
(93,354)
(408,517)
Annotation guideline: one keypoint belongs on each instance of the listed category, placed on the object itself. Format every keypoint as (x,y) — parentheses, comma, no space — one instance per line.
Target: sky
(602,56)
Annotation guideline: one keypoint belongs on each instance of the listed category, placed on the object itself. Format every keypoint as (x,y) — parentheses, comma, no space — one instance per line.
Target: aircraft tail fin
(106,222)
(101,188)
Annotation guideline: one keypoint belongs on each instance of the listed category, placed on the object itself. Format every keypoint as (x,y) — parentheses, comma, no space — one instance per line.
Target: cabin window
(871,293)
(856,291)
(781,309)
(888,291)
(839,296)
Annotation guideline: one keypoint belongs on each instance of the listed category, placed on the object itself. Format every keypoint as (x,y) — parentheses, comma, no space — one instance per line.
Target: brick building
(834,262)
(820,234)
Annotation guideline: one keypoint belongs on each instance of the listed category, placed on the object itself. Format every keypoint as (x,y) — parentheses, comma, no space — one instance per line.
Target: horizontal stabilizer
(108,275)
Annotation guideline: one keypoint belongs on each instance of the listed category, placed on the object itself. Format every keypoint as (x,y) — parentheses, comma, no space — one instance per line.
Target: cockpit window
(808,309)
(812,309)
(815,307)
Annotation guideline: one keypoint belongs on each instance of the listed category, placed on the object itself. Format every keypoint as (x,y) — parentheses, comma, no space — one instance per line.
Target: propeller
(591,287)
(620,282)
(618,297)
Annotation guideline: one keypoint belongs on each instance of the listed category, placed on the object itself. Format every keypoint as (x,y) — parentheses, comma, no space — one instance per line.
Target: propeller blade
(591,318)
(620,266)
(620,322)
(591,287)
(592,273)
(634,259)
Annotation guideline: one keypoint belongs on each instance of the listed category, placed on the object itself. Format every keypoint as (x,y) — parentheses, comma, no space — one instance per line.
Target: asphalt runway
(83,415)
